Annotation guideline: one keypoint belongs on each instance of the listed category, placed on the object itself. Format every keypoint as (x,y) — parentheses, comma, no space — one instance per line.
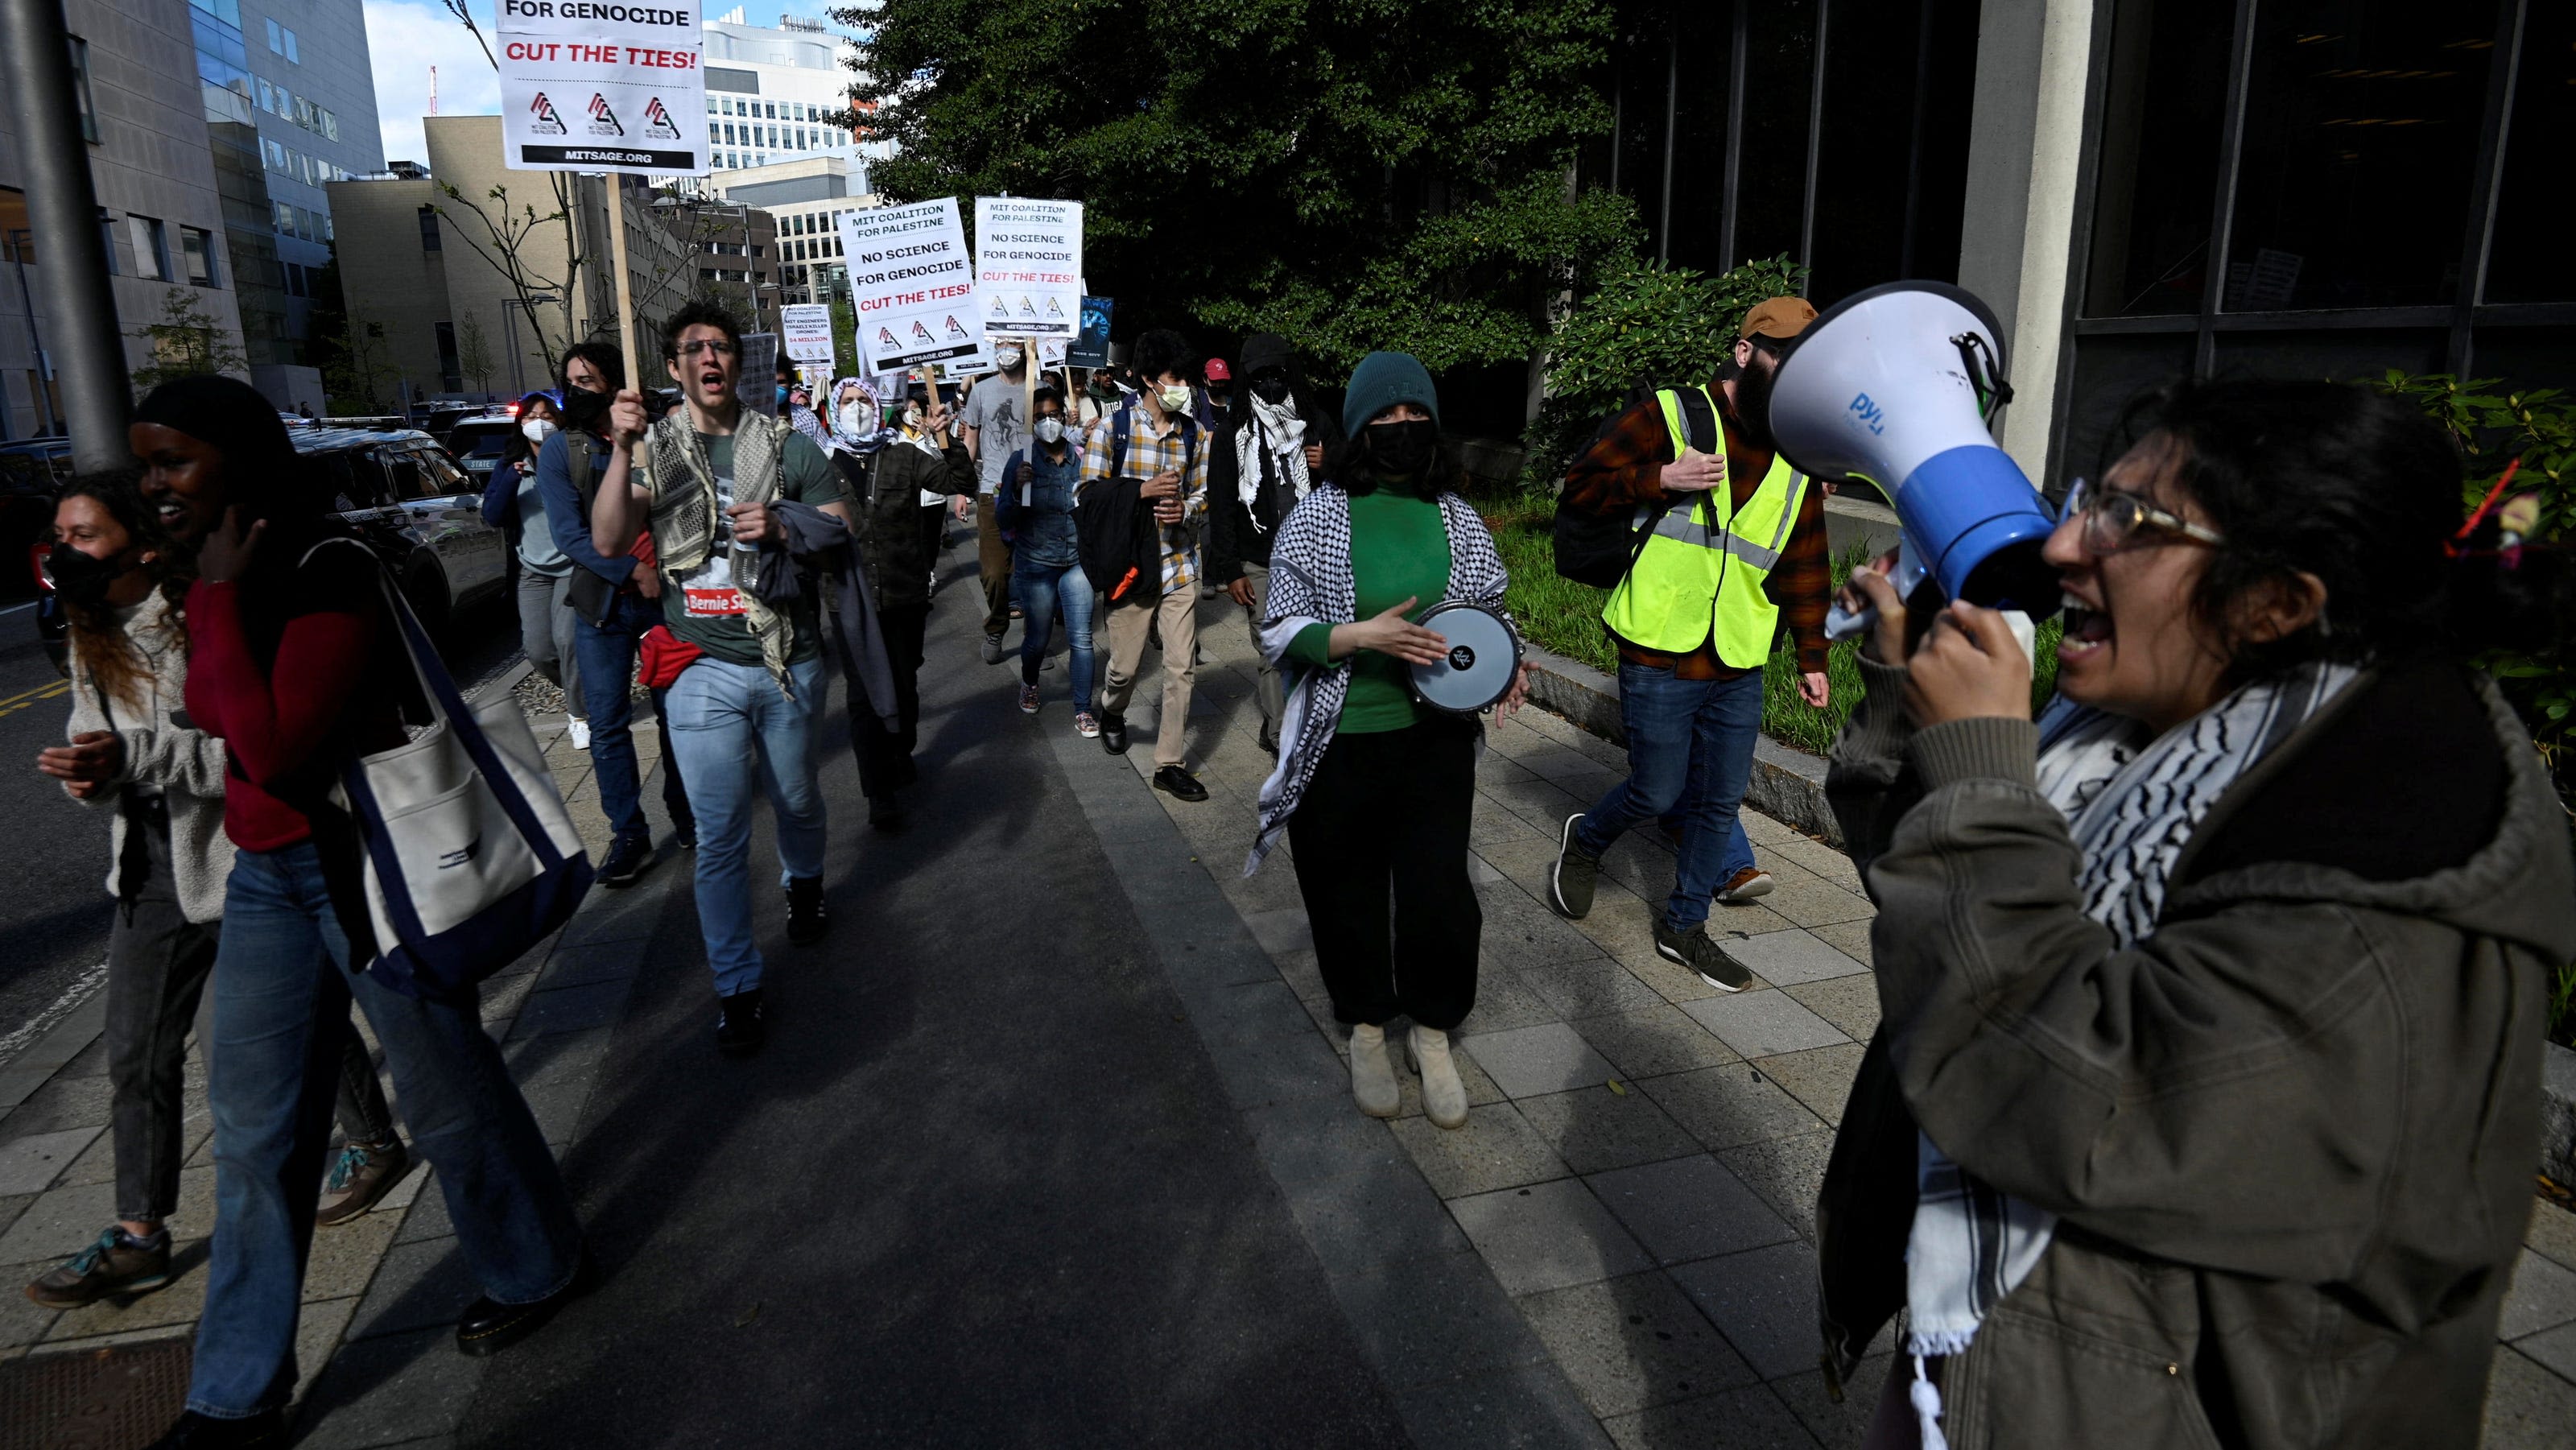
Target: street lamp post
(62,207)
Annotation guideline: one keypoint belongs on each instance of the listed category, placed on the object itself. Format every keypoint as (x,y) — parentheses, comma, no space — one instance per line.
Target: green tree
(1353,174)
(360,375)
(474,351)
(187,341)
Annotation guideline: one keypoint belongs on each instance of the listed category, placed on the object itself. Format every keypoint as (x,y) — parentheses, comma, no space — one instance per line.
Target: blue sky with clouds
(405,38)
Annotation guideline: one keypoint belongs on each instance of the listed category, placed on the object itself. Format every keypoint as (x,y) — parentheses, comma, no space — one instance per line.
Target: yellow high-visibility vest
(1701,572)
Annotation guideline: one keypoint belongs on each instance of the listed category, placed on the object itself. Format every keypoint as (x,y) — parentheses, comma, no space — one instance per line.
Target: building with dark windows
(160,211)
(2140,188)
(290,108)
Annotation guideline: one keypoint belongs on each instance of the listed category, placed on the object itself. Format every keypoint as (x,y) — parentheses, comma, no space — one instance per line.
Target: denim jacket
(1039,513)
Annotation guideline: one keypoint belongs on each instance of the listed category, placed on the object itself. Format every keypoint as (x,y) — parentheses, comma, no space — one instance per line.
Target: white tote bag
(471,858)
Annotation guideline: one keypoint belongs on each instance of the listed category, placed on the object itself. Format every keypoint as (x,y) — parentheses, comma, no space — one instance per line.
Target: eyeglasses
(714,346)
(2112,518)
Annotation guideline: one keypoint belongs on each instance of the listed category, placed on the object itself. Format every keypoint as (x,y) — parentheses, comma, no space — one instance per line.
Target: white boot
(1444,1097)
(1372,1077)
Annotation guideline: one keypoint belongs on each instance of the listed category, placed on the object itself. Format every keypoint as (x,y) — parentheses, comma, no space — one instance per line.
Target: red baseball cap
(1218,372)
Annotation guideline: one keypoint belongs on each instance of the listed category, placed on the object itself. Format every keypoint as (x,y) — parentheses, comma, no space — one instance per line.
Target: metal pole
(1672,113)
(62,207)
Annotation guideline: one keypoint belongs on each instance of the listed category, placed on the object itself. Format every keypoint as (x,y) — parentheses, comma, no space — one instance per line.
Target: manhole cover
(118,1398)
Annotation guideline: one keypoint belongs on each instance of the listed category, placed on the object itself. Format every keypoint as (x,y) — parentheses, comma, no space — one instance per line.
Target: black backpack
(1116,547)
(1600,548)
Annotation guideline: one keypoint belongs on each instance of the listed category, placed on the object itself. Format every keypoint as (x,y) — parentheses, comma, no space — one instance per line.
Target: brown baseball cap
(1778,317)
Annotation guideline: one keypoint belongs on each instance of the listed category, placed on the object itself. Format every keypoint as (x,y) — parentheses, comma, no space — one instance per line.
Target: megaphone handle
(1841,623)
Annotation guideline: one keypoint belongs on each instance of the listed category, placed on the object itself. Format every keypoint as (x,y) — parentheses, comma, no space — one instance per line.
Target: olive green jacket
(2290,1134)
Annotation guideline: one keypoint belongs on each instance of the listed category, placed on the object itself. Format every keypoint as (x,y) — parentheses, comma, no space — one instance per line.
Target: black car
(420,512)
(479,443)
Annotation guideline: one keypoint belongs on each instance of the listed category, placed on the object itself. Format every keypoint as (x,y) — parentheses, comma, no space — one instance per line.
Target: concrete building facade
(471,299)
(774,93)
(803,198)
(159,207)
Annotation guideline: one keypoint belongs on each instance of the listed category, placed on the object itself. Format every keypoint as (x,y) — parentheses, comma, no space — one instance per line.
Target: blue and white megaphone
(1897,385)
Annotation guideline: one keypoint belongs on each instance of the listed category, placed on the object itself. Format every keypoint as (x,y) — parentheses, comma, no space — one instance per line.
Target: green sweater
(1399,548)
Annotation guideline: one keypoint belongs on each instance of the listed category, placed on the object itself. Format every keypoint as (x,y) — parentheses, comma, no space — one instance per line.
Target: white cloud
(404,39)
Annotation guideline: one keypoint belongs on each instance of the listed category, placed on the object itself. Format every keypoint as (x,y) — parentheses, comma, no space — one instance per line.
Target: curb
(1787,785)
(2558,1114)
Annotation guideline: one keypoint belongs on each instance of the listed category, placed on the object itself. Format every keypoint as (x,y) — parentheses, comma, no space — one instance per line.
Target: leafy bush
(2493,426)
(1645,324)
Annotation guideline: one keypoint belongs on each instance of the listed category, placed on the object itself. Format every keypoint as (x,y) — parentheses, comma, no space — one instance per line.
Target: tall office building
(290,107)
(771,93)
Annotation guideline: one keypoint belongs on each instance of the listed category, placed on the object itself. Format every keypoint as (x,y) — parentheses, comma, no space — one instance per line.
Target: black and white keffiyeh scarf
(1275,436)
(2132,800)
(1311,583)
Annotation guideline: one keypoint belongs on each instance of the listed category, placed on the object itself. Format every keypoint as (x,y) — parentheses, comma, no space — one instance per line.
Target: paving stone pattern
(1642,1153)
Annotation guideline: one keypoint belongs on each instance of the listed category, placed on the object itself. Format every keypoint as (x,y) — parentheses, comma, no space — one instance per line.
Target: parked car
(420,512)
(31,473)
(479,442)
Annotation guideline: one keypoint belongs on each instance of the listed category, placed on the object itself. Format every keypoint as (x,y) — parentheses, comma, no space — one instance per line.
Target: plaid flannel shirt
(1148,455)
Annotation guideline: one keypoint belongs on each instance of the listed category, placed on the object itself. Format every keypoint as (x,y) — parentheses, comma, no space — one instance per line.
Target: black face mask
(82,579)
(1404,449)
(584,411)
(1270,388)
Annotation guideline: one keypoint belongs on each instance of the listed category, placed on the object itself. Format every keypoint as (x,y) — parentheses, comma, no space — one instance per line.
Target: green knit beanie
(1382,380)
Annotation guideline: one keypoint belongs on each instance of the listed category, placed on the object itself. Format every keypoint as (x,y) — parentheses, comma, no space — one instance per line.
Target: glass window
(290,49)
(81,91)
(2165,92)
(151,247)
(1771,179)
(2361,133)
(429,229)
(197,250)
(2526,262)
(276,45)
(107,236)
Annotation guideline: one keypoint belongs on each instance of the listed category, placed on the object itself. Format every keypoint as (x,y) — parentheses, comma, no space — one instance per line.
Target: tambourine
(1484,658)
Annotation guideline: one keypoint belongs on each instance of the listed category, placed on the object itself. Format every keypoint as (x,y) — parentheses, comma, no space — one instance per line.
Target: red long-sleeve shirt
(288,726)
(1624,468)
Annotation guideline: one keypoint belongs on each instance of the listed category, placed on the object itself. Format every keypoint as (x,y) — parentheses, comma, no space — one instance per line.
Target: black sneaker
(1113,732)
(1570,882)
(626,861)
(738,1029)
(1176,781)
(1694,949)
(806,918)
(684,834)
(885,813)
(205,1432)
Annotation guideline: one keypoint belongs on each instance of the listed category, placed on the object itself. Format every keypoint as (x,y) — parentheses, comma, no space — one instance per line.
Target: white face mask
(535,429)
(850,415)
(1007,357)
(1176,398)
(1050,430)
(912,419)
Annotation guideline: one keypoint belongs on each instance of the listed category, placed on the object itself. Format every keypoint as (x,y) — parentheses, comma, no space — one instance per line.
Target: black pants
(1384,822)
(885,756)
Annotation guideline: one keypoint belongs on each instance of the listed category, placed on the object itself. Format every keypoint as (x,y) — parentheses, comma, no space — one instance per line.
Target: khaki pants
(1267,688)
(1128,624)
(993,562)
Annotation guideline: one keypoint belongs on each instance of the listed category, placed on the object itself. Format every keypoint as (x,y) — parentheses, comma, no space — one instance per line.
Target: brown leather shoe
(363,1174)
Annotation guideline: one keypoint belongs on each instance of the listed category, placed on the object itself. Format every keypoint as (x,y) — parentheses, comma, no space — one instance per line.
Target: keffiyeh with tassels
(1311,583)
(1274,437)
(2132,800)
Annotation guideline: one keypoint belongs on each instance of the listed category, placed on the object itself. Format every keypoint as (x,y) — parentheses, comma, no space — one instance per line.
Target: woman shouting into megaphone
(2203,1105)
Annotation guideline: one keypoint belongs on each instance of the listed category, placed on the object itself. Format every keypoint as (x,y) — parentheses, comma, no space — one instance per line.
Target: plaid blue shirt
(1147,455)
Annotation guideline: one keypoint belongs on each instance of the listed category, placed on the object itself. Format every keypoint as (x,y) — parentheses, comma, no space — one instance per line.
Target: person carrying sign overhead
(1737,554)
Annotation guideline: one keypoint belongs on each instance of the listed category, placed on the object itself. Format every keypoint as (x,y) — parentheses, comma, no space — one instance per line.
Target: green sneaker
(1569,885)
(110,1266)
(1694,949)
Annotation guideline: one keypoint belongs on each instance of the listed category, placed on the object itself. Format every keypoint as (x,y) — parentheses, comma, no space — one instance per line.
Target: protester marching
(2122,1027)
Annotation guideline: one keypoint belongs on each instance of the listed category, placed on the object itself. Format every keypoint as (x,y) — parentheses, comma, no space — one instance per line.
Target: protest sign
(1028,266)
(1091,347)
(757,384)
(601,85)
(911,284)
(806,329)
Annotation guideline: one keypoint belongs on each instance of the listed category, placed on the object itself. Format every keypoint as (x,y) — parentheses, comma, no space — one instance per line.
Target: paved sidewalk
(1640,1164)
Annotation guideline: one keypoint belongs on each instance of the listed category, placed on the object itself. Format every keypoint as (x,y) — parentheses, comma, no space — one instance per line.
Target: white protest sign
(602,85)
(757,384)
(910,284)
(1028,266)
(806,328)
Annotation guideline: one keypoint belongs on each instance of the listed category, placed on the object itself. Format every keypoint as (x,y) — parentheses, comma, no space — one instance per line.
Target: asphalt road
(982,1189)
(54,914)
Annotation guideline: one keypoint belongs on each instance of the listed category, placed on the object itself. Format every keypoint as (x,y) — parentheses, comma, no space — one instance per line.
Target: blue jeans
(1039,588)
(605,653)
(282,986)
(726,721)
(1690,753)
